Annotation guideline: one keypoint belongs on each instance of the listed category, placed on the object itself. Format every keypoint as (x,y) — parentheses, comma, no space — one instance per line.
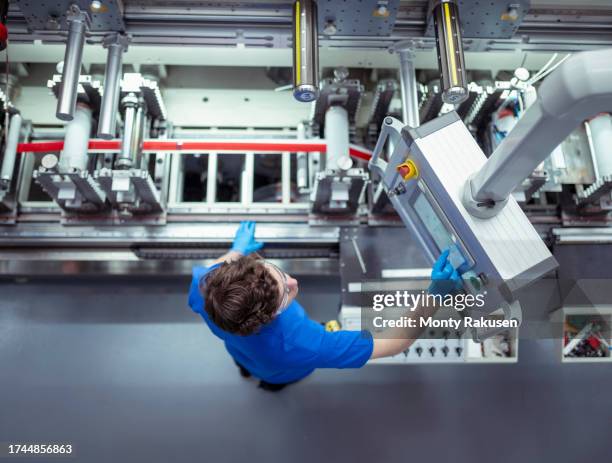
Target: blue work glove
(444,277)
(244,241)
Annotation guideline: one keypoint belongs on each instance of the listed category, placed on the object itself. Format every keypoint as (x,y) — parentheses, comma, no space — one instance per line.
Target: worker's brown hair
(241,295)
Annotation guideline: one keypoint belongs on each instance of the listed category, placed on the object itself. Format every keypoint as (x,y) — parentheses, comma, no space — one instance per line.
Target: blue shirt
(289,347)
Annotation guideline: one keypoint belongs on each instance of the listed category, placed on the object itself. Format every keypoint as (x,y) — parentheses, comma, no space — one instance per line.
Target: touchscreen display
(432,222)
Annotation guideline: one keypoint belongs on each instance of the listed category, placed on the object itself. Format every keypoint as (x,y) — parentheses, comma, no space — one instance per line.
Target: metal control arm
(579,89)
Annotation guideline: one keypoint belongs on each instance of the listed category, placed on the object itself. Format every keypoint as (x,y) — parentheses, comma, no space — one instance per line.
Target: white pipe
(10,152)
(78,130)
(337,137)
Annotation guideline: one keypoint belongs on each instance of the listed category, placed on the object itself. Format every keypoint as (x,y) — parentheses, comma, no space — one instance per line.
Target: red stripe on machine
(264,146)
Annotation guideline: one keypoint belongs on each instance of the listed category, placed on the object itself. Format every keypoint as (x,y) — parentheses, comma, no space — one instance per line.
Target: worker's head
(243,295)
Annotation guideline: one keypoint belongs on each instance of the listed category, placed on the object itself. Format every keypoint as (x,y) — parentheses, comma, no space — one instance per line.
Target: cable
(548,71)
(545,67)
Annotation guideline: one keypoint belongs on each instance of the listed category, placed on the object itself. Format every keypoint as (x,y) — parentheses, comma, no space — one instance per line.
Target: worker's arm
(244,243)
(444,277)
(352,349)
(397,340)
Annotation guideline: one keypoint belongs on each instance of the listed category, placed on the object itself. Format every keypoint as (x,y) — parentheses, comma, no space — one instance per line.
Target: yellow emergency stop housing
(332,325)
(408,169)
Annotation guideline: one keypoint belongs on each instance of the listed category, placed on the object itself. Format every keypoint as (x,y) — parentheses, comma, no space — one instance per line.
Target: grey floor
(125,372)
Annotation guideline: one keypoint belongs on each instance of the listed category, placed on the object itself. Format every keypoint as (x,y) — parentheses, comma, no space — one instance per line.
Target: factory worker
(251,305)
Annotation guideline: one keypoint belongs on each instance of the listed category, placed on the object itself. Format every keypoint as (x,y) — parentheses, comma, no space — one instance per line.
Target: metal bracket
(480,209)
(119,39)
(385,90)
(74,13)
(346,93)
(131,191)
(149,90)
(72,191)
(597,191)
(337,193)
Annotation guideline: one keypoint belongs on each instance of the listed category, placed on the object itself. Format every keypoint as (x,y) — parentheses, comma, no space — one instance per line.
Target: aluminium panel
(51,14)
(358,17)
(487,19)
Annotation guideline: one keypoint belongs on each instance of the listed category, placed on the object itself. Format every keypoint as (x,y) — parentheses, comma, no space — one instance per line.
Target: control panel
(434,346)
(444,345)
(424,177)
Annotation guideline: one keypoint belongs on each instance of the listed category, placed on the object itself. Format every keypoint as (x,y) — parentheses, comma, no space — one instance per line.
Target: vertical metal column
(247,181)
(78,22)
(116,45)
(211,180)
(286,177)
(76,142)
(450,52)
(408,83)
(10,151)
(305,51)
(176,179)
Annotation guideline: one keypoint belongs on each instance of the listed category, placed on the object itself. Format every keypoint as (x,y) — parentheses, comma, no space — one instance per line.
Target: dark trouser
(266,386)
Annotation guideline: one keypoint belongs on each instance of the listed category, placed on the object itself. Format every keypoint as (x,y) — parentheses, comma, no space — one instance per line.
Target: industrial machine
(452,197)
(136,134)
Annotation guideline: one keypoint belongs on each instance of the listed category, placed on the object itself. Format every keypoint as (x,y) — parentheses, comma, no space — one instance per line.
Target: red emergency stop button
(408,170)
